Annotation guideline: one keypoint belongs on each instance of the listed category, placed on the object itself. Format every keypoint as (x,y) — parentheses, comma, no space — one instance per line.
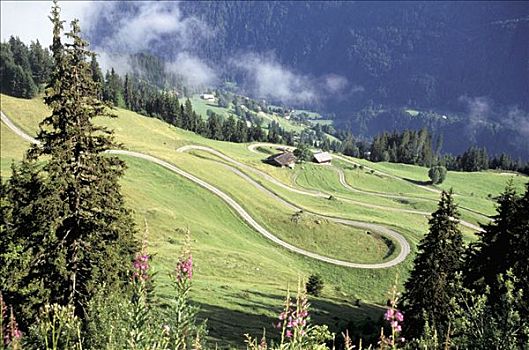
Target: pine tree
(97,75)
(26,241)
(503,245)
(214,127)
(40,62)
(80,234)
(429,289)
(16,80)
(189,122)
(229,129)
(242,131)
(20,53)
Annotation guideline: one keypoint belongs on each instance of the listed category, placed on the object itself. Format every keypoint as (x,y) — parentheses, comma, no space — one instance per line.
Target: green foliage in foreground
(487,313)
(66,231)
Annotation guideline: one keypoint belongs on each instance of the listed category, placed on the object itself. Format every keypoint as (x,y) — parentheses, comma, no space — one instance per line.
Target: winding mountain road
(253,147)
(404,245)
(344,183)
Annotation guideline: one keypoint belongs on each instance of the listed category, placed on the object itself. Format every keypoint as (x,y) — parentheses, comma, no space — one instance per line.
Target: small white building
(322,157)
(208,97)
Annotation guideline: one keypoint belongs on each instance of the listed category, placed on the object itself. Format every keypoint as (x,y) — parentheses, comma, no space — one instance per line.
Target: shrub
(314,285)
(303,153)
(437,174)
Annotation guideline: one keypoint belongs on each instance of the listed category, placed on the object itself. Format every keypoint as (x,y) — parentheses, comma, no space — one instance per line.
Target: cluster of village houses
(288,159)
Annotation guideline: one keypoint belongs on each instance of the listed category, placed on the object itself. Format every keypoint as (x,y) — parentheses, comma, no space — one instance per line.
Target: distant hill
(468,60)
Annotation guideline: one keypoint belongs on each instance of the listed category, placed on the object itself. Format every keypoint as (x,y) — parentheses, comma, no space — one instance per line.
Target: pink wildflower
(141,266)
(390,313)
(399,316)
(12,333)
(289,333)
(184,268)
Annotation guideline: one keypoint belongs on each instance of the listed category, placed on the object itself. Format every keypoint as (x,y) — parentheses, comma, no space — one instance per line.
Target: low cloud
(120,63)
(357,89)
(193,70)
(518,120)
(335,83)
(269,79)
(146,25)
(479,111)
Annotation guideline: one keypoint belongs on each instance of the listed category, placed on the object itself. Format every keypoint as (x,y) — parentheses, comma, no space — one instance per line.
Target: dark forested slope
(466,60)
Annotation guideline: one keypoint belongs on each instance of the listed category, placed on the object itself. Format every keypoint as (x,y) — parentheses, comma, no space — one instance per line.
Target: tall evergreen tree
(229,129)
(97,75)
(241,134)
(214,127)
(429,287)
(82,234)
(113,90)
(503,245)
(41,63)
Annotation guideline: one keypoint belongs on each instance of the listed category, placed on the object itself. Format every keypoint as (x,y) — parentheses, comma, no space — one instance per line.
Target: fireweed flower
(390,313)
(12,333)
(293,320)
(184,268)
(395,318)
(141,267)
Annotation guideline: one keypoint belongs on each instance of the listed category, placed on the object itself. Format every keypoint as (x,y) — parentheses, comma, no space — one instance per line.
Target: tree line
(471,296)
(24,69)
(416,147)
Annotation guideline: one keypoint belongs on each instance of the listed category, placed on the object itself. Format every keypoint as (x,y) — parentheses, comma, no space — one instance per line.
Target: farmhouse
(208,97)
(322,157)
(286,159)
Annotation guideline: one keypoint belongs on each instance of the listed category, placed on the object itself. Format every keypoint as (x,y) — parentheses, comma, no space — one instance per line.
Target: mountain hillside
(464,66)
(241,274)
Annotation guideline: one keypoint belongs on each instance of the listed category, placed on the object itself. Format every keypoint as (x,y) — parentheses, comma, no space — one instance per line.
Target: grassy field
(241,277)
(201,107)
(475,191)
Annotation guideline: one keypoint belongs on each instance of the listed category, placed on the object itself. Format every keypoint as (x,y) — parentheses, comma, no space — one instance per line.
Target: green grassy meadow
(241,277)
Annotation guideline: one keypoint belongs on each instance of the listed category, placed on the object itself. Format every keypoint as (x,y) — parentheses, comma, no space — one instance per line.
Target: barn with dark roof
(286,159)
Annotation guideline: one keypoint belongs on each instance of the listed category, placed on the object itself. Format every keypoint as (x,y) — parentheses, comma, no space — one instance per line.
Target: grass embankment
(241,277)
(474,190)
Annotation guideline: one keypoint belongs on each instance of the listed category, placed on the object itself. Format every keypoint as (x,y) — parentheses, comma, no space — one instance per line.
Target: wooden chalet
(322,157)
(285,159)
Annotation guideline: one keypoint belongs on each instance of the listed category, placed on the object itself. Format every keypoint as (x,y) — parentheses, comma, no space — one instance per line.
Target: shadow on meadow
(228,326)
(418,182)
